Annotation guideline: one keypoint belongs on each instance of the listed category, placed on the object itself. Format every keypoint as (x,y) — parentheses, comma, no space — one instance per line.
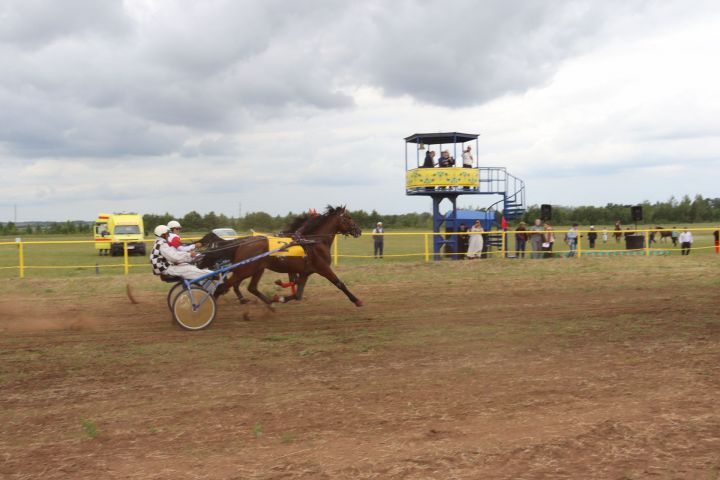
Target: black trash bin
(635,242)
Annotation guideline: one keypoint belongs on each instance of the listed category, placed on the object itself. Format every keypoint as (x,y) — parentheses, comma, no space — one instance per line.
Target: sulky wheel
(173,293)
(194,309)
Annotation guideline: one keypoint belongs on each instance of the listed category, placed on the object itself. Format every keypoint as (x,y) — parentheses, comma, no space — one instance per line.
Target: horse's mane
(307,223)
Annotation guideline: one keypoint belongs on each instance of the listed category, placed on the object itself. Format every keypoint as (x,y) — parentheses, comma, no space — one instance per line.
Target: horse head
(346,225)
(210,240)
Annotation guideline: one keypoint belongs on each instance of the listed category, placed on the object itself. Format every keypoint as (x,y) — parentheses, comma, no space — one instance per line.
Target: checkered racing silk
(157,261)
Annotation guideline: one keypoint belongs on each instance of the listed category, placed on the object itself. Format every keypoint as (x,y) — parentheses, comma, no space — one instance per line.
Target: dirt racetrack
(590,368)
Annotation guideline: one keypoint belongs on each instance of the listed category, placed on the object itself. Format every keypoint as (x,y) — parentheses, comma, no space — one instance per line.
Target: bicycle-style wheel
(194,309)
(173,293)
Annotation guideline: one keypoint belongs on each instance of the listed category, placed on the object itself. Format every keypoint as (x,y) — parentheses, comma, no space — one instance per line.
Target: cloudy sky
(159,105)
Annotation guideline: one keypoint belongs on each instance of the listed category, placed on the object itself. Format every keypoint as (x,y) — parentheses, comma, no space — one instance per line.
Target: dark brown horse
(618,231)
(235,251)
(664,234)
(321,230)
(316,233)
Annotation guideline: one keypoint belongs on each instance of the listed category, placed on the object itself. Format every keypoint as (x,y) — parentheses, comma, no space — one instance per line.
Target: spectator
(378,239)
(604,235)
(463,241)
(674,236)
(467,158)
(571,238)
(592,236)
(686,240)
(429,161)
(520,240)
(446,161)
(475,247)
(549,240)
(716,234)
(536,239)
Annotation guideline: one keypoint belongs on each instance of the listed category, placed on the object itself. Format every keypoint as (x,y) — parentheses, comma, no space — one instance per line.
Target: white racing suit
(179,263)
(174,241)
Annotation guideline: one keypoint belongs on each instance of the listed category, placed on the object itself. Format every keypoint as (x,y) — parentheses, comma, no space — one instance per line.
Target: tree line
(264,222)
(685,210)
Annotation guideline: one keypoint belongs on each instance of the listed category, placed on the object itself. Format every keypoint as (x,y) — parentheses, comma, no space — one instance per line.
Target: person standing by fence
(378,240)
(476,240)
(592,236)
(571,238)
(686,240)
(549,240)
(716,234)
(536,239)
(521,238)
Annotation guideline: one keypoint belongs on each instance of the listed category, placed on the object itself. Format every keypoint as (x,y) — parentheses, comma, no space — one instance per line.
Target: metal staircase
(512,204)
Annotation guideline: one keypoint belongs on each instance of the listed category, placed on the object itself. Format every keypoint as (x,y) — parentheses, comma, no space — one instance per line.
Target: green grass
(78,260)
(90,428)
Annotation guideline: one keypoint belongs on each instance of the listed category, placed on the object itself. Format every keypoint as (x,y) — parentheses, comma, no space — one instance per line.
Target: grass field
(70,260)
(592,368)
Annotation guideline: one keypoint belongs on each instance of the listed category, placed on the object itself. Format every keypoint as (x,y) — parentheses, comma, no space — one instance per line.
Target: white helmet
(173,224)
(161,230)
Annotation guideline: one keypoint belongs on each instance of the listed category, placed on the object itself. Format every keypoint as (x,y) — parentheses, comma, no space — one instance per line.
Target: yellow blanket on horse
(277,242)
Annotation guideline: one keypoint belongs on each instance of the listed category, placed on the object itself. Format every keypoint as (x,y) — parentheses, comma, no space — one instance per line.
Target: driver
(174,237)
(166,260)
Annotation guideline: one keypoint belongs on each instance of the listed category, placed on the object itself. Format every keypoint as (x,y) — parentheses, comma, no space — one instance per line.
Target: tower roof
(440,137)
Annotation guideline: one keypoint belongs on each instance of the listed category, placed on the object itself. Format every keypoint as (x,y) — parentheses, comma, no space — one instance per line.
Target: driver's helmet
(173,224)
(161,230)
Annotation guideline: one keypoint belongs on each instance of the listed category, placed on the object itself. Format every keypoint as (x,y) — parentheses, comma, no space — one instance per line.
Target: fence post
(579,245)
(502,245)
(125,255)
(646,234)
(21,259)
(335,250)
(427,247)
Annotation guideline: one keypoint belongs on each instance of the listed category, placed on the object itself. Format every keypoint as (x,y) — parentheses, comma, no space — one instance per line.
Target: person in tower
(167,260)
(174,237)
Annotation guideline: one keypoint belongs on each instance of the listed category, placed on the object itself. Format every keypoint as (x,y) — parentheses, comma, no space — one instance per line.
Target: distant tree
(192,221)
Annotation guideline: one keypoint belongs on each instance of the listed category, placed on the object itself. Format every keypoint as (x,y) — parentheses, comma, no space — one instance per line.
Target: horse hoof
(359,303)
(278,299)
(244,301)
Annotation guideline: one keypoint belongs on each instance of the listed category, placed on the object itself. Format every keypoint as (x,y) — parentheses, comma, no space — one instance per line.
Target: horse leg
(239,295)
(332,278)
(299,282)
(252,288)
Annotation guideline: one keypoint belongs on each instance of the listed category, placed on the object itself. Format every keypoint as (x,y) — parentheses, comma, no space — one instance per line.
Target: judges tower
(448,183)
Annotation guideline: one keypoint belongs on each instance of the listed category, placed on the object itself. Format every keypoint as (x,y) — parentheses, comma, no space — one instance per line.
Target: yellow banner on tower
(442,177)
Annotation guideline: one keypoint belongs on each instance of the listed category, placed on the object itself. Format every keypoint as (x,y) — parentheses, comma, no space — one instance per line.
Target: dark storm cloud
(88,78)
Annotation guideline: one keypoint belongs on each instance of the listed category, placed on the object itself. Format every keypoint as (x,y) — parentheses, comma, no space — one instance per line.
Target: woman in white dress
(476,240)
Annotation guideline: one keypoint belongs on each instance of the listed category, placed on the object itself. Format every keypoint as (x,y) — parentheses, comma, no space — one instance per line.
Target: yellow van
(112,229)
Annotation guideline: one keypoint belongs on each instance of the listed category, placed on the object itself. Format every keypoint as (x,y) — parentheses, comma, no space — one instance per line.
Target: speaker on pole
(545,212)
(636,213)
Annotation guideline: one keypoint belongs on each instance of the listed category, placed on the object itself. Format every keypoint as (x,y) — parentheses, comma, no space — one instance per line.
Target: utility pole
(239,210)
(15,208)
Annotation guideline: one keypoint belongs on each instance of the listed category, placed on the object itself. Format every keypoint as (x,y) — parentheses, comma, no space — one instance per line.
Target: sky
(235,106)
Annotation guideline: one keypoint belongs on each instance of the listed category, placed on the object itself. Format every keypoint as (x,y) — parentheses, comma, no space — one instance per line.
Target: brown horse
(316,233)
(618,231)
(320,229)
(235,251)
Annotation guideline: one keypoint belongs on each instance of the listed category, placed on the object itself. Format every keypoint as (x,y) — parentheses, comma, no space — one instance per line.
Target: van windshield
(126,229)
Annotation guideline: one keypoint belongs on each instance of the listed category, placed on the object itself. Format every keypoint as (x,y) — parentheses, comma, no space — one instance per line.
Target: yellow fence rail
(403,245)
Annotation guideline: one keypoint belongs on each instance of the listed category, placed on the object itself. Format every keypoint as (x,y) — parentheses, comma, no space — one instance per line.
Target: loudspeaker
(545,212)
(636,213)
